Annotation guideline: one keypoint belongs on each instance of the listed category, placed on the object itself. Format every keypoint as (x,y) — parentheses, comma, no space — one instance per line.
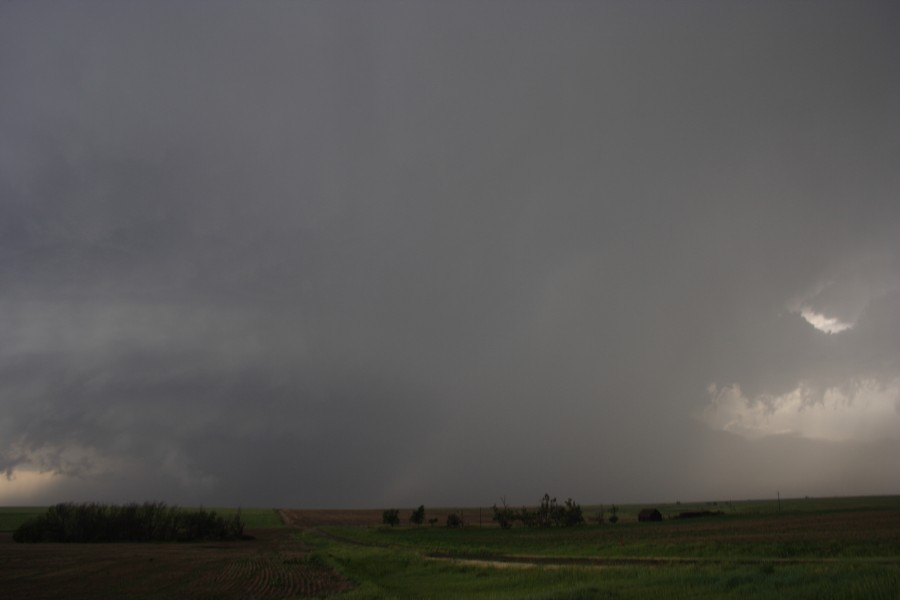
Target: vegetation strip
(68,522)
(637,560)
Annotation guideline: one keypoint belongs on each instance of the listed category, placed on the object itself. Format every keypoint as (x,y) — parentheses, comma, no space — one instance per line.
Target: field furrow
(270,567)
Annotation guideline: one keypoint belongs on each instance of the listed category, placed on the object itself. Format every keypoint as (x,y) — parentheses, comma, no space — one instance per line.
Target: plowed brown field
(272,566)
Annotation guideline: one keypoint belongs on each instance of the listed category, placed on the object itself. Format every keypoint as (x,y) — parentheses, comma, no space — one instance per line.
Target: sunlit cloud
(840,298)
(65,460)
(22,486)
(863,410)
(823,323)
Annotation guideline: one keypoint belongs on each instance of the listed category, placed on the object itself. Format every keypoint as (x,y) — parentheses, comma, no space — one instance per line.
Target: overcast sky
(351,254)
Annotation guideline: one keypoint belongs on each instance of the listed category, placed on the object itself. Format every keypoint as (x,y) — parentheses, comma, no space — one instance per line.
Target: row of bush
(147,522)
(548,514)
(417,517)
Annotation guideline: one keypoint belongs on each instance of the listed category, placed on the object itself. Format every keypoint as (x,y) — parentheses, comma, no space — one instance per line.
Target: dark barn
(649,514)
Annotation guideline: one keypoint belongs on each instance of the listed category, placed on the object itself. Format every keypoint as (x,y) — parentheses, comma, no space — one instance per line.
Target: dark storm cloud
(361,254)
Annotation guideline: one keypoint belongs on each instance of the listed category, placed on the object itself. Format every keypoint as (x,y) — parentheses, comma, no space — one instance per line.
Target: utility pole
(779,500)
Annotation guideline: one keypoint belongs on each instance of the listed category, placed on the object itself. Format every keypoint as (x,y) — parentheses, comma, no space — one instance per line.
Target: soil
(272,565)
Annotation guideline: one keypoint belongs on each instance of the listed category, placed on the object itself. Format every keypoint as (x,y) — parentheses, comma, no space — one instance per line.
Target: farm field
(254,518)
(860,534)
(274,565)
(822,548)
(815,548)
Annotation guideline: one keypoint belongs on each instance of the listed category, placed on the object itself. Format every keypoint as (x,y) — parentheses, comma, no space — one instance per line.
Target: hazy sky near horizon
(345,254)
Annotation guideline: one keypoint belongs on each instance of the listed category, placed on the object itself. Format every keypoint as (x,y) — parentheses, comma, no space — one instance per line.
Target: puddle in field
(531,562)
(497,564)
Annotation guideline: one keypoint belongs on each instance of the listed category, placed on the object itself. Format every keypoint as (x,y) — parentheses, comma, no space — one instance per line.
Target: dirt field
(274,565)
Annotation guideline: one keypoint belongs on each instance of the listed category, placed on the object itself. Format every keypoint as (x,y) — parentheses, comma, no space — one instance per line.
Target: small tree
(236,525)
(504,516)
(418,516)
(613,516)
(549,513)
(454,521)
(546,512)
(391,517)
(571,514)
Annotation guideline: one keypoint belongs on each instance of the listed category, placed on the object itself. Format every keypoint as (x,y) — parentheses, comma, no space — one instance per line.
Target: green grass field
(254,518)
(380,573)
(824,548)
(13,516)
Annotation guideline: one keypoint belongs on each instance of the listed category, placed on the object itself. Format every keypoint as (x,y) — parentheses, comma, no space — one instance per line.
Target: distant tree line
(548,514)
(417,517)
(147,522)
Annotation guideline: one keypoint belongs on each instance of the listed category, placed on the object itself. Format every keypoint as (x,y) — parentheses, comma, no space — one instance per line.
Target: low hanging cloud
(842,381)
(862,411)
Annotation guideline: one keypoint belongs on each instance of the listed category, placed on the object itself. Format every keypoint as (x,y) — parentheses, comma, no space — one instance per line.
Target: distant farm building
(649,514)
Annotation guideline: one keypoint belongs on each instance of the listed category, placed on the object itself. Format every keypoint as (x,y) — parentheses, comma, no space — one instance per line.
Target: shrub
(548,514)
(418,516)
(391,517)
(504,516)
(613,516)
(454,521)
(571,514)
